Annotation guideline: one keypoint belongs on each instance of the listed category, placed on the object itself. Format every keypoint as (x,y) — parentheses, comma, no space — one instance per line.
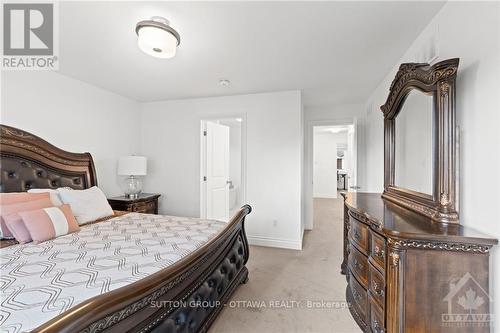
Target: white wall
(470,31)
(74,116)
(337,112)
(373,169)
(325,162)
(109,126)
(272,129)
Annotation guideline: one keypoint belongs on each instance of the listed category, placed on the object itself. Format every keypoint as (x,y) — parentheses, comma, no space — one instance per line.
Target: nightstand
(145,203)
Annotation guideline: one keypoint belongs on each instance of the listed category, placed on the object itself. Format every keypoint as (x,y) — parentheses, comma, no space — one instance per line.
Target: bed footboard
(198,309)
(185,297)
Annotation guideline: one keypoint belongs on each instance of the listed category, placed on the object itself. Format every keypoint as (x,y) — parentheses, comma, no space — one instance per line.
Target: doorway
(331,163)
(221,187)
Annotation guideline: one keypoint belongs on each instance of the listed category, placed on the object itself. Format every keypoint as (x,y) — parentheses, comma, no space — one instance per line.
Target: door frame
(309,160)
(203,159)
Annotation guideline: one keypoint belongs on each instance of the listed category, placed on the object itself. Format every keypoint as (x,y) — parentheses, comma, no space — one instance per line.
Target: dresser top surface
(140,197)
(396,221)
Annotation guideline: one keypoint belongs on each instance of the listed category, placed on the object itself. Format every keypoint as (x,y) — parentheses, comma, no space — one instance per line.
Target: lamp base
(133,187)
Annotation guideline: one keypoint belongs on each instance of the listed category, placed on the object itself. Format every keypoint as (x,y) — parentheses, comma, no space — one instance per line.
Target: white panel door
(217,171)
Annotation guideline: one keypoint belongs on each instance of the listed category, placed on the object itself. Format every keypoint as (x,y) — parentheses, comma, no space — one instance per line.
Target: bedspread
(39,282)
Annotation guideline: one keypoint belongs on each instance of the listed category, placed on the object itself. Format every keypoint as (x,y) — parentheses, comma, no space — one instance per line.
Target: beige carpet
(278,277)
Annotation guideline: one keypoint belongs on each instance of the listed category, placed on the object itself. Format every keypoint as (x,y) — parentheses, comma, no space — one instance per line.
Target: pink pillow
(48,223)
(17,197)
(20,207)
(15,224)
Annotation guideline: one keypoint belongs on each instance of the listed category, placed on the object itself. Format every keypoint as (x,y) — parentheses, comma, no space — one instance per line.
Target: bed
(179,291)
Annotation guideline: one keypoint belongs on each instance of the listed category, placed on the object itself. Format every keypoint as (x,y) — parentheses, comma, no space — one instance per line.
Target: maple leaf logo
(470,301)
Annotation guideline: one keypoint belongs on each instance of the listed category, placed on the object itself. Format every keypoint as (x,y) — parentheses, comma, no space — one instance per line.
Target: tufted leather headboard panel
(27,161)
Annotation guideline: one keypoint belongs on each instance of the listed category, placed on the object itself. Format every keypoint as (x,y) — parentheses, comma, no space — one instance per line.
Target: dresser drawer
(138,208)
(145,203)
(377,322)
(143,207)
(360,298)
(377,286)
(359,233)
(358,264)
(377,250)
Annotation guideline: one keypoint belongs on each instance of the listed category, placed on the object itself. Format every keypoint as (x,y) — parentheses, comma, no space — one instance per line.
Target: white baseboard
(275,242)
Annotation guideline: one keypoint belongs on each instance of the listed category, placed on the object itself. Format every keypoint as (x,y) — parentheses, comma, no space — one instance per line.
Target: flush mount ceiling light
(336,130)
(157,38)
(224,83)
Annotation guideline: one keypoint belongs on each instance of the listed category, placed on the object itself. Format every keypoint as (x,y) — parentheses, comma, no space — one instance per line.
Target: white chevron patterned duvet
(39,282)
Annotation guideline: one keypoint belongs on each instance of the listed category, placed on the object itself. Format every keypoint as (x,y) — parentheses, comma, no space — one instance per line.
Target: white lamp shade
(157,42)
(132,166)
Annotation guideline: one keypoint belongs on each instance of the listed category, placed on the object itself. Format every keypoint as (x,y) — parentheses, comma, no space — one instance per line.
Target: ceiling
(335,52)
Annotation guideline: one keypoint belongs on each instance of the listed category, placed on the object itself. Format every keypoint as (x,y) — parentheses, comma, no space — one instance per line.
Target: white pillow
(54,195)
(87,205)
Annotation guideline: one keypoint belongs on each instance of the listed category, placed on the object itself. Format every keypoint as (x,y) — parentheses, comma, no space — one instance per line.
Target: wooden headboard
(27,161)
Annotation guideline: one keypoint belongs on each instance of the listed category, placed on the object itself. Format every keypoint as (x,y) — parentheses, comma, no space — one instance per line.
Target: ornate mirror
(420,138)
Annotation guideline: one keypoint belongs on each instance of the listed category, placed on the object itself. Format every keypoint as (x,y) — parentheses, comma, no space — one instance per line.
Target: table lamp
(132,166)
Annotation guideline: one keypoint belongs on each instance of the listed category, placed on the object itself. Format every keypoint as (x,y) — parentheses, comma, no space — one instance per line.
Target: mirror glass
(413,143)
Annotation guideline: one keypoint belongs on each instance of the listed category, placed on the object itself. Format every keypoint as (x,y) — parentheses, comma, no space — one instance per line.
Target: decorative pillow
(16,226)
(54,195)
(87,205)
(17,197)
(48,223)
(15,208)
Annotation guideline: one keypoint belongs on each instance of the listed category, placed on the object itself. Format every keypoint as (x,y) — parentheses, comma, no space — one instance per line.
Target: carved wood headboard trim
(27,161)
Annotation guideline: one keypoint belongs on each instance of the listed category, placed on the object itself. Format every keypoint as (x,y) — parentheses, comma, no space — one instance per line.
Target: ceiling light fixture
(336,130)
(224,83)
(157,38)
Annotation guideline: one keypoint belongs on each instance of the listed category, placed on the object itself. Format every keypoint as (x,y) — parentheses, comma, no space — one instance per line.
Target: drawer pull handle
(377,290)
(376,327)
(357,264)
(378,252)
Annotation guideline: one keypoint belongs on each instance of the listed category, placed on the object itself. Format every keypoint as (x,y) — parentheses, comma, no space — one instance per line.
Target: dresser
(146,203)
(411,264)
(407,273)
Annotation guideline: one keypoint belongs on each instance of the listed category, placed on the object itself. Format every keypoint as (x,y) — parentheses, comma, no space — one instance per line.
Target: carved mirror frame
(438,81)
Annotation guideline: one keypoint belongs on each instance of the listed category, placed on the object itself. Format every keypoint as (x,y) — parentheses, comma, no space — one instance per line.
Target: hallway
(304,290)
